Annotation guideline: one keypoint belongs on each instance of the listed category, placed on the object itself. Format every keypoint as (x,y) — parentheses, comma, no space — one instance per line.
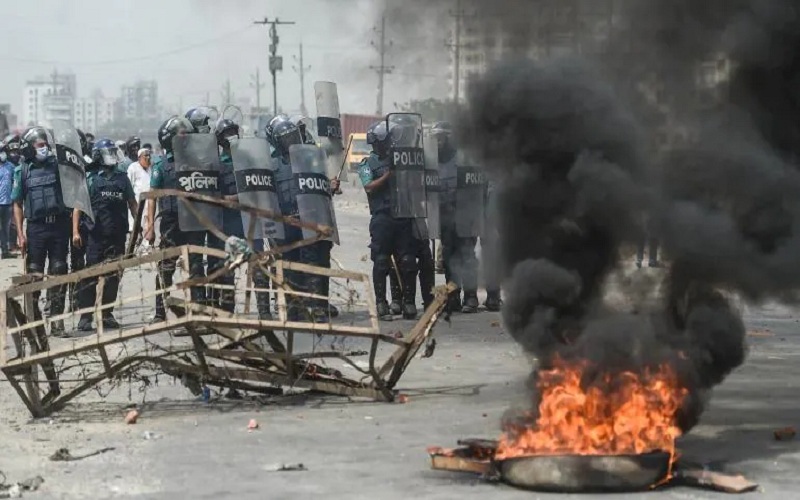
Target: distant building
(92,113)
(139,101)
(48,98)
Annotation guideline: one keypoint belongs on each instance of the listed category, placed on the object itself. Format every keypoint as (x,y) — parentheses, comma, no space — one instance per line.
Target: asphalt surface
(184,448)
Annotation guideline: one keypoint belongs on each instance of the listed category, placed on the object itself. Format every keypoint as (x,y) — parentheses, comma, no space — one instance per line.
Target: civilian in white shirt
(139,175)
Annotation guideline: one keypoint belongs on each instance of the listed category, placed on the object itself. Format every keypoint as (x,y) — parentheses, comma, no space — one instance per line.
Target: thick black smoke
(578,151)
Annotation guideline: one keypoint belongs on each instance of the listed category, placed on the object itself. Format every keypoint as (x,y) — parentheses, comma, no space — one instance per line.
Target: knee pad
(408,264)
(382,263)
(58,268)
(33,267)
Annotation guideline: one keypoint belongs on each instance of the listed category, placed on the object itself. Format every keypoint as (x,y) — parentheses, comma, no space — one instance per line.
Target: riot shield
(71,168)
(470,201)
(408,164)
(329,128)
(314,199)
(198,169)
(255,182)
(432,186)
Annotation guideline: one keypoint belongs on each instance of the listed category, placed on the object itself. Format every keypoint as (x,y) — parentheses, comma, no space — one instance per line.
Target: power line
(186,48)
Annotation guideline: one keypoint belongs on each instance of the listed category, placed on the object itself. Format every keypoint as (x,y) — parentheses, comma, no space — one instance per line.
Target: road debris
(131,417)
(785,434)
(286,468)
(252,425)
(402,399)
(64,455)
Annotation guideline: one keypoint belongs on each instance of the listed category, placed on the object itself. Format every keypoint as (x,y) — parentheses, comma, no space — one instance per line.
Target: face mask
(42,153)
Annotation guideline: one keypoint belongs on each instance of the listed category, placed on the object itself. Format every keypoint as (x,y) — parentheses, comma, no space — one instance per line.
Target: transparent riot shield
(432,186)
(71,168)
(329,128)
(314,199)
(198,170)
(255,183)
(470,201)
(408,164)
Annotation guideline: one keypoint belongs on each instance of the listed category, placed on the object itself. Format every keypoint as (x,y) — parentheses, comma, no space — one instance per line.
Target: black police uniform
(389,236)
(172,236)
(110,192)
(48,224)
(77,255)
(458,253)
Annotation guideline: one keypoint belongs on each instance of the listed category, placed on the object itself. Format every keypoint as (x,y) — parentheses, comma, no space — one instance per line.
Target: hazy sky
(112,43)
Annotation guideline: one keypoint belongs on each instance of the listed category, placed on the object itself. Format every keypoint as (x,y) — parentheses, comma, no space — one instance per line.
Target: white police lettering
(117,195)
(334,131)
(72,157)
(198,181)
(409,158)
(432,179)
(475,178)
(314,184)
(259,180)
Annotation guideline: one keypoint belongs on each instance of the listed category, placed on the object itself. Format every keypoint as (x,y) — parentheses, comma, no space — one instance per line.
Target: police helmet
(224,130)
(132,146)
(200,119)
(10,146)
(174,125)
(283,133)
(377,133)
(305,125)
(443,132)
(105,153)
(29,140)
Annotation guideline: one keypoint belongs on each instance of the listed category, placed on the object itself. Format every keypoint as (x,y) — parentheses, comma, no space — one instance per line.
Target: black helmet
(283,133)
(303,123)
(10,146)
(443,132)
(29,139)
(174,125)
(225,129)
(132,146)
(200,119)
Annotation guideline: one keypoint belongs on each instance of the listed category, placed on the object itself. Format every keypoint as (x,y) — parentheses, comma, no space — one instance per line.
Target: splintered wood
(201,344)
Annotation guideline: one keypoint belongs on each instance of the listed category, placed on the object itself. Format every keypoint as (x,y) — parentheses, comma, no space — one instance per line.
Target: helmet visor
(109,156)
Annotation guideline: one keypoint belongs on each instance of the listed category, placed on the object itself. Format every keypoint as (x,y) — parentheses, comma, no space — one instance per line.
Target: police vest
(286,186)
(41,186)
(109,204)
(381,200)
(231,219)
(168,205)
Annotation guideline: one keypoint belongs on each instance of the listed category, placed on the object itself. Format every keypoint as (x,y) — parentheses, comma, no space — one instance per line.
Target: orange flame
(626,413)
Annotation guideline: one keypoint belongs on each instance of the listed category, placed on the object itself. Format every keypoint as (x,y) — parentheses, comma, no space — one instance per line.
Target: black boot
(396,306)
(85,324)
(470,305)
(454,301)
(493,301)
(383,311)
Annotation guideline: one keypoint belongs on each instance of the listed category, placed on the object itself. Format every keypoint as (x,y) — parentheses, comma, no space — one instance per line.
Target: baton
(344,162)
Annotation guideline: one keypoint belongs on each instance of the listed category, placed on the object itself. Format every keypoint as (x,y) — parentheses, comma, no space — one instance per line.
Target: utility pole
(302,72)
(382,70)
(227,95)
(275,61)
(458,15)
(256,84)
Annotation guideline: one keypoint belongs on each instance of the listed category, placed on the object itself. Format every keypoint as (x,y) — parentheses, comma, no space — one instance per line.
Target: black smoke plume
(583,149)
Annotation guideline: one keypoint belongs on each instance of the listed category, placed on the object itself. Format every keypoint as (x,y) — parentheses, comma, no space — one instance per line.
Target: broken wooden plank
(716,481)
(458,460)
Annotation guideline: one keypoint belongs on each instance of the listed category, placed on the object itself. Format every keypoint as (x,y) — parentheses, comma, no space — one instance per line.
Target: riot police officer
(112,198)
(77,254)
(165,176)
(231,219)
(458,248)
(10,147)
(200,120)
(38,197)
(302,124)
(283,133)
(388,235)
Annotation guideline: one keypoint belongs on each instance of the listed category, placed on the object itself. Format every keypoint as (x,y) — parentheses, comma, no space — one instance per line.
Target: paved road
(377,451)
